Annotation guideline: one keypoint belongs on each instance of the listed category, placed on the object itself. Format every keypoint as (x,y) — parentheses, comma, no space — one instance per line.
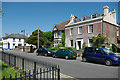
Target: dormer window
(13,39)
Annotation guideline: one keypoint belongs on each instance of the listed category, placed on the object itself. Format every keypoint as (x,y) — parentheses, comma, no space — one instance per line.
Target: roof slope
(20,36)
(61,26)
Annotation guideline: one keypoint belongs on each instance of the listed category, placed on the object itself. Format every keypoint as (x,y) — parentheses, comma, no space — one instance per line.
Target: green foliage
(69,48)
(33,38)
(1,43)
(114,48)
(54,48)
(99,40)
(47,44)
(84,45)
(63,40)
(59,45)
(7,70)
(48,35)
(1,12)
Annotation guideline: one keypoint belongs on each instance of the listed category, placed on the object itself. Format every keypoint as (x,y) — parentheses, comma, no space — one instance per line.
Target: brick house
(82,31)
(57,32)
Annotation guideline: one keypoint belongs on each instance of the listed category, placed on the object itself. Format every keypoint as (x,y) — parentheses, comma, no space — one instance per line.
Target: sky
(29,15)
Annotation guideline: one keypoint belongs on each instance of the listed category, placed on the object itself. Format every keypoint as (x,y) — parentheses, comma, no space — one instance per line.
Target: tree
(99,40)
(34,37)
(48,35)
(1,12)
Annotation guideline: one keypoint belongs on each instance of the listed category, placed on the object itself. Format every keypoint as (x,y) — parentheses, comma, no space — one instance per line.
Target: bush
(69,48)
(59,45)
(54,48)
(114,48)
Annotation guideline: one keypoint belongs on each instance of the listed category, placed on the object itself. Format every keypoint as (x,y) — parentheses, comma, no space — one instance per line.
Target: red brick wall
(97,28)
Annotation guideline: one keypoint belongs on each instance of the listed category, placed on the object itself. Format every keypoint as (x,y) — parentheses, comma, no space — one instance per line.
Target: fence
(31,69)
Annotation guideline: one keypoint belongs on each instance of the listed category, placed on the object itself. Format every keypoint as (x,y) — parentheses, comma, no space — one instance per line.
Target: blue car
(102,55)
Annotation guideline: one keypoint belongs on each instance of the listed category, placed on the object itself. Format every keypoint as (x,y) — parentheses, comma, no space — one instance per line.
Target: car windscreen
(47,49)
(107,51)
(70,50)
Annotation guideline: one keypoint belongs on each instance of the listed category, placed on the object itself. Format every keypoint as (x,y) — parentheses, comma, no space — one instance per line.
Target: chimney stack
(106,10)
(114,14)
(6,34)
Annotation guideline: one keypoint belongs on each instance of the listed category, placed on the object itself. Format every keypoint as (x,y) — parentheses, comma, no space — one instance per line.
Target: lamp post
(38,37)
(24,40)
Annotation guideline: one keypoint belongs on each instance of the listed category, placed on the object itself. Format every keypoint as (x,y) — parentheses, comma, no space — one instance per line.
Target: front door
(79,44)
(8,45)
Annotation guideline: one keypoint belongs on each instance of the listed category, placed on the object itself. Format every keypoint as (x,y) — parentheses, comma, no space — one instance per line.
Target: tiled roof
(61,26)
(20,36)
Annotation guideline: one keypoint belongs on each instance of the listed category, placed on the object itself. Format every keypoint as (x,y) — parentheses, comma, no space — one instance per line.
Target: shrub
(54,48)
(59,45)
(114,48)
(69,48)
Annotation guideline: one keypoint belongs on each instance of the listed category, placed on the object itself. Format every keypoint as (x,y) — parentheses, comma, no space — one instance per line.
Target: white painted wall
(10,40)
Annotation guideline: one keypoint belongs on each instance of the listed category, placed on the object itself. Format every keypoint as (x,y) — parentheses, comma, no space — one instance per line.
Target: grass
(6,70)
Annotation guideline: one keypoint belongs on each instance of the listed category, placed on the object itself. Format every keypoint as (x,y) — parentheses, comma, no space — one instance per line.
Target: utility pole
(38,36)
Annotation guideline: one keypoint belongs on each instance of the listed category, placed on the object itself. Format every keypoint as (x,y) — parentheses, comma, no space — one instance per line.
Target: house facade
(13,40)
(81,32)
(57,32)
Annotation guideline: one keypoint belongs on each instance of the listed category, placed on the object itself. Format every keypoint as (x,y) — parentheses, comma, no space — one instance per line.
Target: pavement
(76,69)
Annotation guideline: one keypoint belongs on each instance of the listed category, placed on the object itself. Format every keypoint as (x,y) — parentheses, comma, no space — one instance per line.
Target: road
(78,69)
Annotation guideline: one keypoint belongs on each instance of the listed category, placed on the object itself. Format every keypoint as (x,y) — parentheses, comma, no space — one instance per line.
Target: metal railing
(30,68)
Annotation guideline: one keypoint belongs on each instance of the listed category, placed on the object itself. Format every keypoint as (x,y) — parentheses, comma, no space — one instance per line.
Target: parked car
(100,55)
(65,53)
(44,52)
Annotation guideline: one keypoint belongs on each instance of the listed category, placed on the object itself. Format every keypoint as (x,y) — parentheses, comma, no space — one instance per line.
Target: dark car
(101,55)
(44,52)
(65,53)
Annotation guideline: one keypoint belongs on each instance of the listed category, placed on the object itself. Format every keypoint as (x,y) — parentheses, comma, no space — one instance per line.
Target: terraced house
(57,32)
(79,31)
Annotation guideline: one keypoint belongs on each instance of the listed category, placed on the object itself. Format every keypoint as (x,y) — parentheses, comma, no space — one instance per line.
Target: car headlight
(49,52)
(115,58)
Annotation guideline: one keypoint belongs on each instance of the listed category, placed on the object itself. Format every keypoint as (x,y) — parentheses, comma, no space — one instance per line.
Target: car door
(63,53)
(90,54)
(99,55)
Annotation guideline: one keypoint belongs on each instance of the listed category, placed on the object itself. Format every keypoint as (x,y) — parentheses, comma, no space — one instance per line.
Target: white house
(13,40)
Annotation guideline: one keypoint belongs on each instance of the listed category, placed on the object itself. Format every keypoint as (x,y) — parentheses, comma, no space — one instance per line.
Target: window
(90,29)
(71,31)
(117,33)
(80,30)
(98,51)
(71,41)
(89,50)
(13,44)
(60,33)
(19,40)
(19,44)
(13,39)
(90,42)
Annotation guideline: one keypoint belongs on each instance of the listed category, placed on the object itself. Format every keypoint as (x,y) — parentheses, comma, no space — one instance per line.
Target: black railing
(31,68)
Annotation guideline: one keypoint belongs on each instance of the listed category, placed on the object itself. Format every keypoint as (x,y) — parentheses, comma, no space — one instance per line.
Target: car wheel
(54,56)
(84,59)
(46,54)
(37,54)
(108,62)
(66,57)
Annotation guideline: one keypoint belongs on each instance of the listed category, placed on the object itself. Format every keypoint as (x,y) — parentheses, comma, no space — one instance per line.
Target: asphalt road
(78,69)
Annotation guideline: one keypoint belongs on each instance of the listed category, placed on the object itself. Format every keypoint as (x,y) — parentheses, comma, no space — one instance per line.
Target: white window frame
(89,30)
(79,30)
(71,33)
